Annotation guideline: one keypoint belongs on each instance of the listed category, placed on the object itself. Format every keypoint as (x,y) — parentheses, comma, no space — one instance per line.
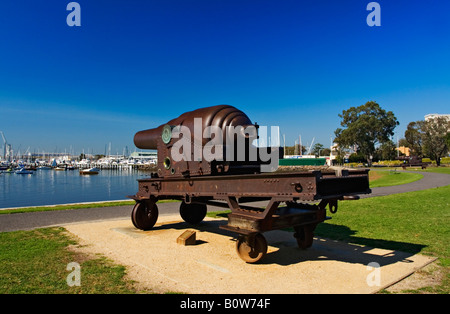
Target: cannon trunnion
(291,199)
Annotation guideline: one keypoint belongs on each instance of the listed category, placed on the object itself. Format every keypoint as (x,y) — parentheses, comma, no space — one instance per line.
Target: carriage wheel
(144,215)
(193,213)
(251,248)
(304,236)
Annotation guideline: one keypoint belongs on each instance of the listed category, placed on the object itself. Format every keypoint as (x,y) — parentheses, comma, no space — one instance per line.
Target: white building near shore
(437,115)
(149,156)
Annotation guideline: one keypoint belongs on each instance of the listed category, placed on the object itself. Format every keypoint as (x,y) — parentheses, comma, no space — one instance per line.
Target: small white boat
(23,171)
(90,171)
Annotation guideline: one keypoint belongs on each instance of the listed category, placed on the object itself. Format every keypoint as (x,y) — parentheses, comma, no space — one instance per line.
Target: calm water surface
(49,187)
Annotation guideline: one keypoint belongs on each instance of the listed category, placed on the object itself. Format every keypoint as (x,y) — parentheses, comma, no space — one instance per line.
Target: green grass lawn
(415,222)
(74,206)
(435,169)
(441,169)
(35,262)
(412,222)
(391,177)
(64,207)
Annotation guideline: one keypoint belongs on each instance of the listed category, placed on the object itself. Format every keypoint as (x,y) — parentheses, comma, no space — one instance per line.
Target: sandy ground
(155,260)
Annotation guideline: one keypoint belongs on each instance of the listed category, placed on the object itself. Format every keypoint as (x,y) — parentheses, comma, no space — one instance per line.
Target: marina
(64,179)
(51,187)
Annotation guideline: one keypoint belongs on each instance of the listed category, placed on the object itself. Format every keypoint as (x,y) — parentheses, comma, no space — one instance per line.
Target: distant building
(404,150)
(145,155)
(437,115)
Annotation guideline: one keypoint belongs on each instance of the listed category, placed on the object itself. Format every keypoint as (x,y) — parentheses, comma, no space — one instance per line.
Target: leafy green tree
(365,127)
(447,140)
(413,136)
(293,150)
(325,152)
(386,151)
(317,149)
(403,142)
(434,138)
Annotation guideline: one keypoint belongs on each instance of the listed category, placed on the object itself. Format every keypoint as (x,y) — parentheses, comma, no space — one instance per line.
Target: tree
(403,142)
(386,151)
(326,152)
(316,149)
(366,126)
(447,139)
(293,150)
(413,136)
(434,138)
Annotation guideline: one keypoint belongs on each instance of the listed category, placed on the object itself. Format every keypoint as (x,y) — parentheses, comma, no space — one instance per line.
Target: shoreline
(428,180)
(67,204)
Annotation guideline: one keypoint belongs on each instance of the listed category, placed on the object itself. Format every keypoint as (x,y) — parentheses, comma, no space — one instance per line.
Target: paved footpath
(430,180)
(27,221)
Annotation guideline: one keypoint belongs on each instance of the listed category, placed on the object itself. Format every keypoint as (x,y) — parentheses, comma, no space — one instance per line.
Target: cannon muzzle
(148,139)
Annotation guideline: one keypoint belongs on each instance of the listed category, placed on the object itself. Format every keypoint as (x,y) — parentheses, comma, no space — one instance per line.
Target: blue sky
(136,64)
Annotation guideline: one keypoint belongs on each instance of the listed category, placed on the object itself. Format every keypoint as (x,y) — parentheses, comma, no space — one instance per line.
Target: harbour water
(50,187)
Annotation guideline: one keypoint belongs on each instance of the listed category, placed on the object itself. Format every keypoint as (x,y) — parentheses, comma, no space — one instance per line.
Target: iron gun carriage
(230,183)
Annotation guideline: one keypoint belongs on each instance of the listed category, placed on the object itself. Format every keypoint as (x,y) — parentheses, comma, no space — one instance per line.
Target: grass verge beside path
(35,262)
(434,169)
(64,207)
(415,222)
(72,206)
(441,169)
(391,177)
(411,222)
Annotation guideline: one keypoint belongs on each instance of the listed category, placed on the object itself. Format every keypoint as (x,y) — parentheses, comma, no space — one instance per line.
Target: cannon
(207,141)
(208,157)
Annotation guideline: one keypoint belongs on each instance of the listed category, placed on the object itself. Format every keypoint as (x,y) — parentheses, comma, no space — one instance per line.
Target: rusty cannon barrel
(220,116)
(206,141)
